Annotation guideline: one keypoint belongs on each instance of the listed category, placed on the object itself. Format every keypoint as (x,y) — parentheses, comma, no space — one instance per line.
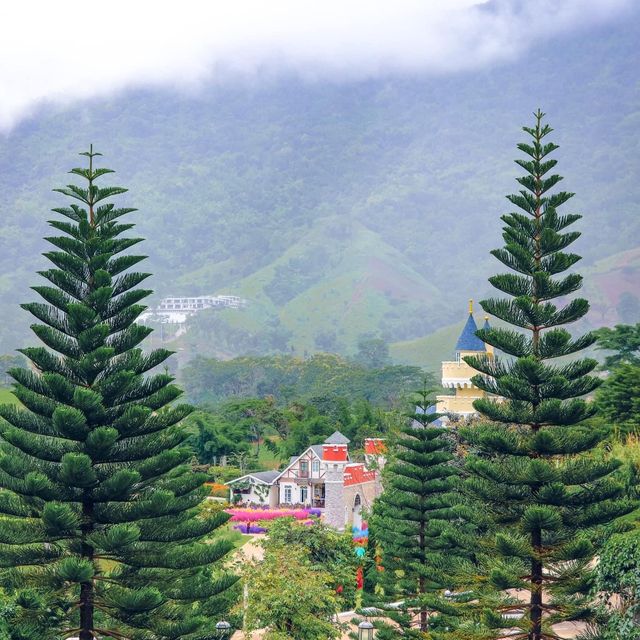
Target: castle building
(457,374)
(322,477)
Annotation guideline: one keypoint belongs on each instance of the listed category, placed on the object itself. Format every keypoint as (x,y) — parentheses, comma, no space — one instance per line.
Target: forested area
(159,484)
(330,207)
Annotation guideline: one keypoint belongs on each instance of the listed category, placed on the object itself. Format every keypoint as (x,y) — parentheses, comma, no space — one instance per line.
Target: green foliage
(618,580)
(256,433)
(208,380)
(327,549)
(420,525)
(627,452)
(231,427)
(289,596)
(536,468)
(372,353)
(226,333)
(624,341)
(100,517)
(618,399)
(27,614)
(297,274)
(214,438)
(224,474)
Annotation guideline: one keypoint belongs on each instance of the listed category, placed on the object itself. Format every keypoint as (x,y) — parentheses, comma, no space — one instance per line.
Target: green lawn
(232,535)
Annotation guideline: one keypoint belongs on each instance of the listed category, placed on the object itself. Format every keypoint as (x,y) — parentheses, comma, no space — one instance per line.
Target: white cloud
(65,51)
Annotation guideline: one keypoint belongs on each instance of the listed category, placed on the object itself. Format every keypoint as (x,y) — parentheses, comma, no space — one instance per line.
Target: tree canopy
(100,525)
(535,464)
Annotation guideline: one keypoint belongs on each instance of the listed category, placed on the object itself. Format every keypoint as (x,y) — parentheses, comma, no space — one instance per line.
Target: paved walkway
(566,630)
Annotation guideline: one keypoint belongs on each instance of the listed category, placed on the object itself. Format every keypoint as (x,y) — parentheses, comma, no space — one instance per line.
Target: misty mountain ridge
(341,209)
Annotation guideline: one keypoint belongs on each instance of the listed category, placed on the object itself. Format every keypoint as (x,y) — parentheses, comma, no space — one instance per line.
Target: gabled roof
(317,450)
(337,438)
(262,477)
(468,340)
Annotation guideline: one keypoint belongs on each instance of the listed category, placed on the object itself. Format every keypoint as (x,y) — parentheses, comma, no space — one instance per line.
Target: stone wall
(334,514)
(368,491)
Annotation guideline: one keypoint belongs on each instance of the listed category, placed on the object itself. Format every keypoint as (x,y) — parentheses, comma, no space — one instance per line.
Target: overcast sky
(75,49)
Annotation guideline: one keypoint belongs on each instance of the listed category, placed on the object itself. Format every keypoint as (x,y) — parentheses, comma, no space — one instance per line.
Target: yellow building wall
(469,392)
(456,371)
(460,403)
(457,375)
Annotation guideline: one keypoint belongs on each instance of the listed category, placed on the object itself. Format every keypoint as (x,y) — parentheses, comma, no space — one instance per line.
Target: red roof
(375,446)
(357,474)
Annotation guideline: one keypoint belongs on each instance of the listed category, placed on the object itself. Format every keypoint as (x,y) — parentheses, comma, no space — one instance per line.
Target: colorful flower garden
(252,521)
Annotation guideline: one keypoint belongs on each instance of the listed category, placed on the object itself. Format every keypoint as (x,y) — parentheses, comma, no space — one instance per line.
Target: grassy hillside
(361,284)
(428,352)
(6,397)
(338,209)
(608,282)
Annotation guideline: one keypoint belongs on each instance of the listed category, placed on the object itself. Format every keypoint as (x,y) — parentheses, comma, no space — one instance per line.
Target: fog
(61,53)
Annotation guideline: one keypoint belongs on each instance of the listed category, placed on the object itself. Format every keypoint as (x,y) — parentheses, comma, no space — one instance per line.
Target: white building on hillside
(176,310)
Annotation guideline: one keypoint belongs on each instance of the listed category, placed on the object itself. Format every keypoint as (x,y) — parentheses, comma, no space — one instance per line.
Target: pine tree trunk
(86,588)
(536,589)
(424,624)
(86,611)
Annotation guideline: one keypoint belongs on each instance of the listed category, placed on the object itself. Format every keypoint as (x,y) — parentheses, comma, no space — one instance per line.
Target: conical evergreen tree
(420,526)
(99,508)
(536,468)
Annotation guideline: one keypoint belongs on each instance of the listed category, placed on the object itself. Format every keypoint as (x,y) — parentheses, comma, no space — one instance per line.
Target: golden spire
(470,306)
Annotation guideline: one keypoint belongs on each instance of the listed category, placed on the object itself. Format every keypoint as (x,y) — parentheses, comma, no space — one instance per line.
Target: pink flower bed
(257,515)
(246,516)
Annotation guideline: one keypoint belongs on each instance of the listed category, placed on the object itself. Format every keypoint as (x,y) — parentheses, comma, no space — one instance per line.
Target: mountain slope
(237,183)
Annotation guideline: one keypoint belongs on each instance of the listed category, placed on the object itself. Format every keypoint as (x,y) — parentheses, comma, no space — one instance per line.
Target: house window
(315,466)
(303,494)
(304,468)
(287,495)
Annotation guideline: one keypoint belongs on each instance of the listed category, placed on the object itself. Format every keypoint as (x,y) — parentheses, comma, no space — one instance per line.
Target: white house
(256,488)
(322,477)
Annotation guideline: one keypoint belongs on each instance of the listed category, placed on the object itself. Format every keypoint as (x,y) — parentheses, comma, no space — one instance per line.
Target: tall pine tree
(536,466)
(420,525)
(99,506)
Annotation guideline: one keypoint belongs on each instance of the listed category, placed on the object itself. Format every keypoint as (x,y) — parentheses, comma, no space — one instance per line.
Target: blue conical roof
(468,340)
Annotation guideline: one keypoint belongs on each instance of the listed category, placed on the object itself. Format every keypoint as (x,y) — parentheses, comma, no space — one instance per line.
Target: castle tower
(335,457)
(457,374)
